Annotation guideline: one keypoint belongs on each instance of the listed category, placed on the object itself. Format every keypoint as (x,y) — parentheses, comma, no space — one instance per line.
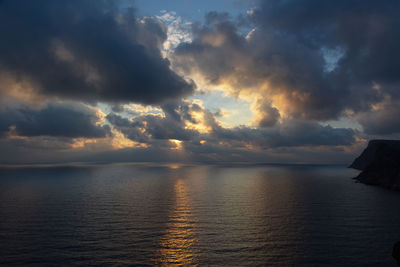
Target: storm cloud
(287,80)
(69,120)
(87,50)
(313,60)
(384,119)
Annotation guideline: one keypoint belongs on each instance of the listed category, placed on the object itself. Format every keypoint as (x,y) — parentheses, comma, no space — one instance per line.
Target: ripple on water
(198,215)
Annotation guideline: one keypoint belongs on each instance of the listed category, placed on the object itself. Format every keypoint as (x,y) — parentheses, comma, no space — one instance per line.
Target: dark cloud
(193,153)
(384,120)
(288,133)
(268,115)
(368,31)
(153,127)
(320,58)
(56,119)
(303,62)
(87,50)
(288,141)
(264,61)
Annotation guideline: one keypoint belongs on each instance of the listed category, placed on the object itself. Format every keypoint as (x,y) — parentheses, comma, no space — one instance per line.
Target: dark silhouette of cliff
(380,164)
(396,252)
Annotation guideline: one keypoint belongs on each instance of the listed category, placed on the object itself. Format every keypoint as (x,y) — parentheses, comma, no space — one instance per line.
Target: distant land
(380,164)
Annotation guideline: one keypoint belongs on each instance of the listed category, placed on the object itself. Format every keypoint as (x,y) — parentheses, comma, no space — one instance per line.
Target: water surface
(197,215)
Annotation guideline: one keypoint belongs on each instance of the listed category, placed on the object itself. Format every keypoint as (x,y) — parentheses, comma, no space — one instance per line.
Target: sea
(194,215)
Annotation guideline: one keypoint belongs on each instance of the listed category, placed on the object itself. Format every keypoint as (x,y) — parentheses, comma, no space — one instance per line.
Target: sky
(273,81)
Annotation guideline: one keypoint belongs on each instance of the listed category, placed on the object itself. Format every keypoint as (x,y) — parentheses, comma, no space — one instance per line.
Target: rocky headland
(380,164)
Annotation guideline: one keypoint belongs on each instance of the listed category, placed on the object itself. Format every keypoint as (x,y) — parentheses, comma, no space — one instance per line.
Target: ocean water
(132,214)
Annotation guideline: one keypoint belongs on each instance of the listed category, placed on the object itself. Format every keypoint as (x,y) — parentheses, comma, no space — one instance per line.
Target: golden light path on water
(177,245)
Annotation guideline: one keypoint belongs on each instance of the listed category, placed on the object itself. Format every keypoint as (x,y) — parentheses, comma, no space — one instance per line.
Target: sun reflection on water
(177,245)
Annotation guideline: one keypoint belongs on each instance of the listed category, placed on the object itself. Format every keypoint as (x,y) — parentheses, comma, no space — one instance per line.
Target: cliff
(380,164)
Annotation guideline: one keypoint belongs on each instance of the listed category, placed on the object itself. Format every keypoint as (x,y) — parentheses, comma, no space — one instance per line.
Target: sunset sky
(270,81)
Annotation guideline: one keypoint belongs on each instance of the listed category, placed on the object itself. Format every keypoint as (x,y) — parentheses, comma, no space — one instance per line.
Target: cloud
(267,65)
(312,60)
(383,119)
(267,115)
(287,133)
(178,29)
(172,125)
(368,31)
(180,116)
(298,64)
(58,132)
(86,50)
(70,120)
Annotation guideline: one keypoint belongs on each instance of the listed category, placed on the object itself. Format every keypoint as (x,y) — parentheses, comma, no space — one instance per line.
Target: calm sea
(129,214)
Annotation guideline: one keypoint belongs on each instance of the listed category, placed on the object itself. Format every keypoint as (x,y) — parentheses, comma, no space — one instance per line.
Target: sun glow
(82,142)
(176,144)
(198,122)
(200,125)
(174,166)
(120,141)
